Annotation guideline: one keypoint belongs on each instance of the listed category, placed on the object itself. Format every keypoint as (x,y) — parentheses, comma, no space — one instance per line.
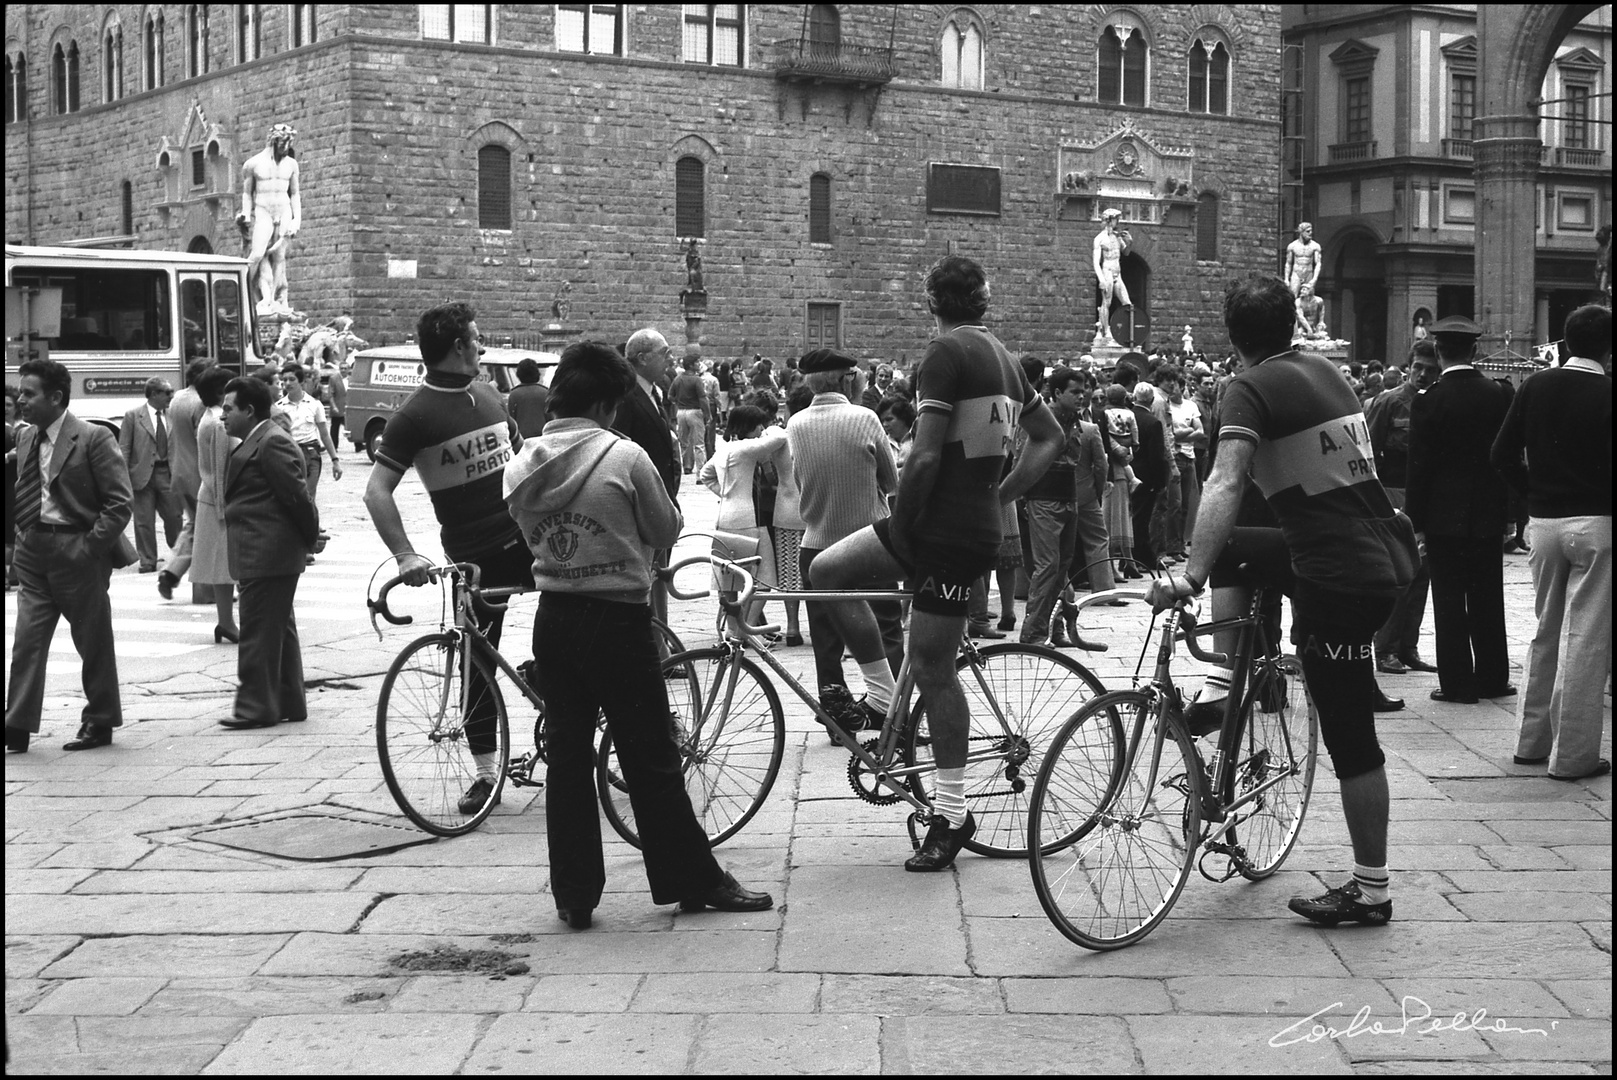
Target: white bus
(127,315)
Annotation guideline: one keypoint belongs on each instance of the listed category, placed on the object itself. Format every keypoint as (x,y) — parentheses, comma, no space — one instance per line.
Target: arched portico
(1515,45)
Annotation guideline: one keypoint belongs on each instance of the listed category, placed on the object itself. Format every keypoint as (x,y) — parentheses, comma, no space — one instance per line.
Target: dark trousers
(269,659)
(1468,613)
(159,498)
(58,576)
(1400,634)
(1141,503)
(507,567)
(599,656)
(827,641)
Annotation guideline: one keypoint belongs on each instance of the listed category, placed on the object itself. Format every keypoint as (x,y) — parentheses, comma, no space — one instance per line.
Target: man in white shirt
(305,418)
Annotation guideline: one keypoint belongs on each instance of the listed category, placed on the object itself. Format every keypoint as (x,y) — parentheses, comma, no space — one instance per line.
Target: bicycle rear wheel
(1108,864)
(423,736)
(1281,740)
(732,740)
(1035,689)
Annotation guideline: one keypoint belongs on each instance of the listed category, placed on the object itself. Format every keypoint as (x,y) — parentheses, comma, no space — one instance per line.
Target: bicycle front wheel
(1109,859)
(1018,697)
(727,721)
(430,732)
(1278,748)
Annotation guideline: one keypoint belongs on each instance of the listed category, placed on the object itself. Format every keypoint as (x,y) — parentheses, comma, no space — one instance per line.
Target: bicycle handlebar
(471,573)
(1188,633)
(743,595)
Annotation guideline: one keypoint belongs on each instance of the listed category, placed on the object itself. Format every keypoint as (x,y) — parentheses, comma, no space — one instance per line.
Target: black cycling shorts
(1333,631)
(940,576)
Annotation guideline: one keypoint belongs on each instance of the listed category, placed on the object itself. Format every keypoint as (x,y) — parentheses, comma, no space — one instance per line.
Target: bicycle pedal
(915,822)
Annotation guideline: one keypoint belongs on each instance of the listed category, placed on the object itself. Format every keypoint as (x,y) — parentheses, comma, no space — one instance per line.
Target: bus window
(227,308)
(107,309)
(194,319)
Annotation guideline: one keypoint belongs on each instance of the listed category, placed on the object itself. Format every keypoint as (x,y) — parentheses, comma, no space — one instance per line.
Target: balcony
(1457,148)
(800,60)
(1352,151)
(1579,158)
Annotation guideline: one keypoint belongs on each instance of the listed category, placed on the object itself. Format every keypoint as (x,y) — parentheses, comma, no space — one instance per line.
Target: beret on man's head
(825,360)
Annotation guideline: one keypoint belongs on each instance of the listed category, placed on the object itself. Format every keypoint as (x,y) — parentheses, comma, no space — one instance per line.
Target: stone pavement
(132,946)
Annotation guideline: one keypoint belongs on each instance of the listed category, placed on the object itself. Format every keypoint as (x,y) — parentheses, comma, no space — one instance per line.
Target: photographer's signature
(1416,1019)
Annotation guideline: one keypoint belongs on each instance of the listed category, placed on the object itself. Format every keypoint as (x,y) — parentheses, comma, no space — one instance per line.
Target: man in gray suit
(72,505)
(184,415)
(145,442)
(272,524)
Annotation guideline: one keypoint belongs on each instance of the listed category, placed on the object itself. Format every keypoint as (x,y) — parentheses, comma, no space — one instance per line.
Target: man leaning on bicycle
(945,529)
(1341,552)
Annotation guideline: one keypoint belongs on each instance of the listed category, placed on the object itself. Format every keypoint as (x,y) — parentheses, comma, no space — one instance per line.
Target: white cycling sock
(488,766)
(950,797)
(1372,881)
(879,684)
(1215,688)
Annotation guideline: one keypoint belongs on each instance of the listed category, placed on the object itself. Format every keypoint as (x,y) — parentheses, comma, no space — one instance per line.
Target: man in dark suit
(643,418)
(145,442)
(72,505)
(1457,503)
(272,524)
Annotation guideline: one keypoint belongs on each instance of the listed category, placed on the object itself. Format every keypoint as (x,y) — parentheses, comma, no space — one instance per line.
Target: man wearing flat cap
(1457,503)
(845,471)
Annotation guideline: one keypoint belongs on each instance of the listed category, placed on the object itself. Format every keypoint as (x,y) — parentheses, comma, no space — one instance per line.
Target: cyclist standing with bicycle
(455,432)
(593,510)
(945,530)
(1341,552)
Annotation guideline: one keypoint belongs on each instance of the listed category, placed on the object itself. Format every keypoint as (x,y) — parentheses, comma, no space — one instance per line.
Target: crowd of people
(1354,490)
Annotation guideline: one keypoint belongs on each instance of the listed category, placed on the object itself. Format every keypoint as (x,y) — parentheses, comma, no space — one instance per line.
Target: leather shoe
(1452,699)
(1413,662)
(241,725)
(942,844)
(1602,767)
(1205,717)
(89,737)
(1518,759)
(17,740)
(577,918)
(729,896)
(984,631)
(1388,704)
(165,584)
(1391,665)
(1504,691)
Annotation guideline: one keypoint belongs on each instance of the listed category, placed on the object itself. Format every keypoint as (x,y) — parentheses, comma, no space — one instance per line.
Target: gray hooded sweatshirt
(592,509)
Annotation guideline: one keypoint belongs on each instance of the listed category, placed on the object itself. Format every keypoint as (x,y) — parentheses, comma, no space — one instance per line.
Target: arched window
(154,50)
(1207,227)
(16,88)
(249,32)
(819,209)
(112,62)
(126,208)
(1122,63)
(1209,77)
(493,187)
(825,30)
(690,197)
(65,77)
(196,38)
(962,51)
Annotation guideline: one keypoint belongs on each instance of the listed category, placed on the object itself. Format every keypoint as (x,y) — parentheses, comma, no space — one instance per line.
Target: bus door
(211,319)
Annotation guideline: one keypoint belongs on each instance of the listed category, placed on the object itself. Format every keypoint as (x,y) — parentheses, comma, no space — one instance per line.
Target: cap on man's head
(825,360)
(1456,324)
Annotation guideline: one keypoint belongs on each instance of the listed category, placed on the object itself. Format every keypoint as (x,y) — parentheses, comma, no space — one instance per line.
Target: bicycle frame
(1217,804)
(740,637)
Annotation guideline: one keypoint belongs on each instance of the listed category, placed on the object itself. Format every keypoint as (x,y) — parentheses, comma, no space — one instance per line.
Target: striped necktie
(28,487)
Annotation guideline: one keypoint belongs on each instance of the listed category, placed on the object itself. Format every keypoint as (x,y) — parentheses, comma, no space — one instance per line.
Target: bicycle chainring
(864,783)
